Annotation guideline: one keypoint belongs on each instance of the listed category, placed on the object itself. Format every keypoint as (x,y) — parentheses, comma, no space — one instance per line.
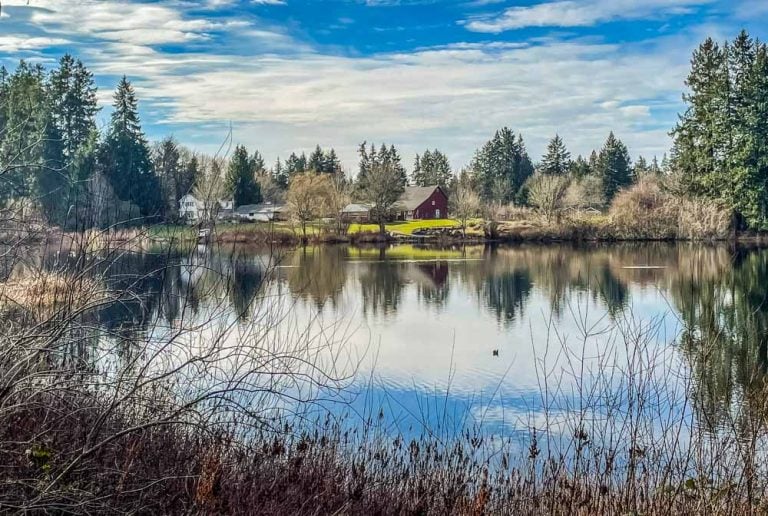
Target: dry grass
(43,292)
(647,211)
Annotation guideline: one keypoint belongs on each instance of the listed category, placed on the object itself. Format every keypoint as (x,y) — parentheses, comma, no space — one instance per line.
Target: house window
(433,203)
(437,213)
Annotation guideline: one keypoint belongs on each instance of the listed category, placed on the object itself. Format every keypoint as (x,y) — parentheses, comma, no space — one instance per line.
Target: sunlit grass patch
(405,227)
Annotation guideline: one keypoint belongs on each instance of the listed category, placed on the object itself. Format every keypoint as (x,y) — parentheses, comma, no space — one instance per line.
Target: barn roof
(414,196)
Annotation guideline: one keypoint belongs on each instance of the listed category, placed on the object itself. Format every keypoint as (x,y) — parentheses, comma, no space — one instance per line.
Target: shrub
(646,210)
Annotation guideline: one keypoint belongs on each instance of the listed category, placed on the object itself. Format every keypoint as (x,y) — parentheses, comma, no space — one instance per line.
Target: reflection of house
(194,210)
(356,213)
(266,212)
(422,202)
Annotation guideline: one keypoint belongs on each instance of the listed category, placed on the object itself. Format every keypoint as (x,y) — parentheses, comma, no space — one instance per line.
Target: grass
(314,229)
(404,227)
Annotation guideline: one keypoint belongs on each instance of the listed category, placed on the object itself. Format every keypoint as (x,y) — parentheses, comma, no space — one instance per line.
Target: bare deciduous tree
(547,192)
(308,198)
(382,191)
(465,203)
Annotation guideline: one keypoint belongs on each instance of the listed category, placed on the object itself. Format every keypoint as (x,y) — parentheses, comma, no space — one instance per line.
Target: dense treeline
(721,141)
(53,158)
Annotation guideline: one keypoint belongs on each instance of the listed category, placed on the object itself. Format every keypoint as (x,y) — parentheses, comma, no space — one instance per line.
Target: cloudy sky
(288,74)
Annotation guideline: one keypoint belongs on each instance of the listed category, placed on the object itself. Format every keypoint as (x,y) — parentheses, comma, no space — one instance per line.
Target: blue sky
(288,74)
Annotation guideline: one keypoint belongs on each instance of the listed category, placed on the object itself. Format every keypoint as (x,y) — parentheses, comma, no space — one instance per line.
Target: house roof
(259,208)
(248,208)
(414,196)
(356,208)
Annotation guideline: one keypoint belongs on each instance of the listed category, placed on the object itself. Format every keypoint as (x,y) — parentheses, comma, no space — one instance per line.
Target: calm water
(490,335)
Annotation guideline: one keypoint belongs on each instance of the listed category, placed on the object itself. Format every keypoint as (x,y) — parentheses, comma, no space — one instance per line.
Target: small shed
(356,212)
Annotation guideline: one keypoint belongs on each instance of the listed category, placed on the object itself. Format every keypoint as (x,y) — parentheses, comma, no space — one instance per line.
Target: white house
(191,209)
(266,212)
(195,210)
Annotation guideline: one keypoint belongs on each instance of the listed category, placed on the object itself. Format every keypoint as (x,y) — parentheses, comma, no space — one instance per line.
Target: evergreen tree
(385,158)
(25,115)
(501,167)
(124,157)
(73,104)
(296,164)
(316,161)
(719,148)
(432,168)
(257,163)
(613,166)
(557,160)
(655,168)
(331,165)
(417,175)
(177,175)
(579,168)
(367,160)
(641,168)
(280,175)
(241,179)
(699,133)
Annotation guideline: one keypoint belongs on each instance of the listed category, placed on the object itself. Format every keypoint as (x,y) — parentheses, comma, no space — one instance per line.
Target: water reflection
(474,310)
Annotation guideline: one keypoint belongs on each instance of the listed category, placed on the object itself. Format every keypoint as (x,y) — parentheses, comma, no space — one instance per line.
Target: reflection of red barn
(437,272)
(422,202)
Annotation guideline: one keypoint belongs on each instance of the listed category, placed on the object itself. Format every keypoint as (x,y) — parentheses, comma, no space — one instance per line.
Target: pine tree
(641,168)
(580,168)
(32,164)
(501,167)
(432,168)
(719,146)
(699,133)
(280,175)
(386,158)
(613,166)
(316,161)
(257,163)
(124,157)
(332,165)
(557,160)
(73,102)
(417,175)
(241,179)
(177,177)
(296,164)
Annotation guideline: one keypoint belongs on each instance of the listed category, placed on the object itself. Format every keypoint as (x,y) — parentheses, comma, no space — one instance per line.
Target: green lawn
(404,227)
(180,232)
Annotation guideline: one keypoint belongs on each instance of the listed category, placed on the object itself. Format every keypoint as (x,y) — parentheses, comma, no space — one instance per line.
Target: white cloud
(283,95)
(578,13)
(15,43)
(452,98)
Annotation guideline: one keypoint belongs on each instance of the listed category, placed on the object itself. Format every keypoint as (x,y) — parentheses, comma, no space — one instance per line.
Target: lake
(508,338)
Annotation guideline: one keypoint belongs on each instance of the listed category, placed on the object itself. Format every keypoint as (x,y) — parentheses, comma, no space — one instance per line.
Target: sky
(286,75)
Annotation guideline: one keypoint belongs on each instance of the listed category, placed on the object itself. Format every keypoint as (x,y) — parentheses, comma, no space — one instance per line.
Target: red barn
(422,202)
